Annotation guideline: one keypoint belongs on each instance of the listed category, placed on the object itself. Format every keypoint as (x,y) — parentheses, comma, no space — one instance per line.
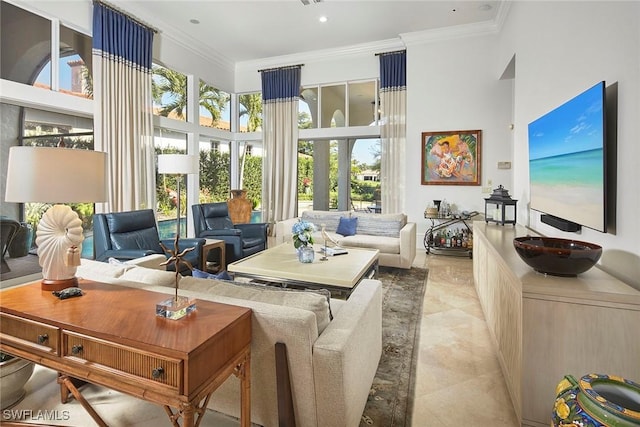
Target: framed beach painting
(451,157)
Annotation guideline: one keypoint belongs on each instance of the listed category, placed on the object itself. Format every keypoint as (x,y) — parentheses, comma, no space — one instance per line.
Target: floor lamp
(57,175)
(178,165)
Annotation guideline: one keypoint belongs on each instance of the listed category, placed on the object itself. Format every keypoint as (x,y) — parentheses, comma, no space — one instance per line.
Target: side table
(210,266)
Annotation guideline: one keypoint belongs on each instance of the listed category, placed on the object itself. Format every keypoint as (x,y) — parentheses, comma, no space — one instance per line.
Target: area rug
(390,400)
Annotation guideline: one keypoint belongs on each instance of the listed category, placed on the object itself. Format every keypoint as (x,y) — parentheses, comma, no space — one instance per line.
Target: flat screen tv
(567,152)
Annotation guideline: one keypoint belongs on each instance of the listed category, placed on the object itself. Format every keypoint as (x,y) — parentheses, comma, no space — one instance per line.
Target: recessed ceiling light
(485,7)
(194,21)
(323,19)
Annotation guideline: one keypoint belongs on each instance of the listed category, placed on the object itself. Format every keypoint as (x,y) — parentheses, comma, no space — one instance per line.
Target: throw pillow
(223,275)
(347,226)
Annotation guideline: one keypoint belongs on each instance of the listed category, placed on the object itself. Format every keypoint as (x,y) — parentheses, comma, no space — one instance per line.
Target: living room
(472,85)
(496,77)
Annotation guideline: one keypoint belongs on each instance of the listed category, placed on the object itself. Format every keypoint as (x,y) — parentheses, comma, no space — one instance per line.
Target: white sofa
(391,234)
(332,363)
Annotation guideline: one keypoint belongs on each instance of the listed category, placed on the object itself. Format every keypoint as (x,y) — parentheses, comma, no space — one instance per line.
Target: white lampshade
(178,164)
(55,175)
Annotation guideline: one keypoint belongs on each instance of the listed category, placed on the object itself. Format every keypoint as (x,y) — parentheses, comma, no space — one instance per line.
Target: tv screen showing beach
(566,160)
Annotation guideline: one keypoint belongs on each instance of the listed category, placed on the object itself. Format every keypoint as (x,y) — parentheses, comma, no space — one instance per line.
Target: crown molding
(503,12)
(450,33)
(176,35)
(321,55)
(197,48)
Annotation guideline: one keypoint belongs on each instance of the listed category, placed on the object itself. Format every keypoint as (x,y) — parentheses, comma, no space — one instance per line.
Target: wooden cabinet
(545,327)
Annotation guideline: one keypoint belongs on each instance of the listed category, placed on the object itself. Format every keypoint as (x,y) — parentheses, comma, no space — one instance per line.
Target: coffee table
(280,266)
(111,336)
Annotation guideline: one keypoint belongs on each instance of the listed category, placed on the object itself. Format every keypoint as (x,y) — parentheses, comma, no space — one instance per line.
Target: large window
(333,106)
(365,174)
(308,108)
(250,173)
(215,169)
(169,89)
(250,112)
(215,107)
(362,103)
(26,54)
(39,128)
(339,105)
(26,44)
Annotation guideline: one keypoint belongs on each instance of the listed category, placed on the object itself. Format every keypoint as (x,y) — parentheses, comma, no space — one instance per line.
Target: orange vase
(239,207)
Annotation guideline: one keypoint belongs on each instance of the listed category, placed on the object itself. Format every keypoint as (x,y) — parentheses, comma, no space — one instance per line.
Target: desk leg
(67,385)
(243,372)
(191,414)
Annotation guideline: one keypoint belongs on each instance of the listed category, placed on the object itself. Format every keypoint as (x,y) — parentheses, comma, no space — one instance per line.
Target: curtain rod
(281,68)
(389,53)
(137,21)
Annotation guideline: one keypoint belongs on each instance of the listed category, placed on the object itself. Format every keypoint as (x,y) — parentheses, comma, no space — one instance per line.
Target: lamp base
(58,285)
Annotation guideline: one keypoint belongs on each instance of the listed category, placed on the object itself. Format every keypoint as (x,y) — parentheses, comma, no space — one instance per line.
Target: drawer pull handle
(76,349)
(43,338)
(157,372)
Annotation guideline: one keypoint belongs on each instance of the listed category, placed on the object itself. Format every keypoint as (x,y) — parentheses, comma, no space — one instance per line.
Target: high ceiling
(241,30)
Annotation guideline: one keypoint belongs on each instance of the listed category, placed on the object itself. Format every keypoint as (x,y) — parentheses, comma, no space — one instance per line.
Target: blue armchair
(134,234)
(212,221)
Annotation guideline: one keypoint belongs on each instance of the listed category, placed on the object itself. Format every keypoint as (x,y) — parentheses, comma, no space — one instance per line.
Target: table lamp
(57,175)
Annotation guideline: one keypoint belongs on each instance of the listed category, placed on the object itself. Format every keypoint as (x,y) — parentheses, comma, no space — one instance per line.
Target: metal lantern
(497,208)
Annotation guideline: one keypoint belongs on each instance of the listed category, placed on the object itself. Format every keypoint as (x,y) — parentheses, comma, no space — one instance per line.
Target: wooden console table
(111,336)
(545,327)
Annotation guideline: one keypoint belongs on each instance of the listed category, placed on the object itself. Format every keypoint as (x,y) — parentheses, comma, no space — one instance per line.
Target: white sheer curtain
(280,93)
(122,50)
(393,102)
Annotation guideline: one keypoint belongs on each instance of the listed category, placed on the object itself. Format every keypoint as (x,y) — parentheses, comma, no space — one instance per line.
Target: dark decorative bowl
(559,257)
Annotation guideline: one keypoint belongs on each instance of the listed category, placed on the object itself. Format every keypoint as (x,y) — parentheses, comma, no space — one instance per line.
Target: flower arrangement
(303,233)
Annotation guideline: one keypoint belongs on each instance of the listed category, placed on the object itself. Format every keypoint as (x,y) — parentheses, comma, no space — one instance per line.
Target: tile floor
(458,377)
(459,382)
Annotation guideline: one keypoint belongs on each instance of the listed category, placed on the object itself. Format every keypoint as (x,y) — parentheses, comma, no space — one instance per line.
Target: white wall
(455,85)
(561,49)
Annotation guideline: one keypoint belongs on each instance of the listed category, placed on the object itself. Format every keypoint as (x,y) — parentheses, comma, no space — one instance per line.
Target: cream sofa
(391,234)
(332,363)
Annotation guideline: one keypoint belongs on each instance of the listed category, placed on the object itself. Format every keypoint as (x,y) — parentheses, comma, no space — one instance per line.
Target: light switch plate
(504,165)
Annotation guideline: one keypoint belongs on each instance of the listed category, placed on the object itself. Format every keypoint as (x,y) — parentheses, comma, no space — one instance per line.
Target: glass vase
(306,254)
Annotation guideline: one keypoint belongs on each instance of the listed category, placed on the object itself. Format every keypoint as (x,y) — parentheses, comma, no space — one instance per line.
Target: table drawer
(30,334)
(144,365)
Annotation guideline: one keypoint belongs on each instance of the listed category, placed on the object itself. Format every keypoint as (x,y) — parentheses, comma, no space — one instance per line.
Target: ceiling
(242,30)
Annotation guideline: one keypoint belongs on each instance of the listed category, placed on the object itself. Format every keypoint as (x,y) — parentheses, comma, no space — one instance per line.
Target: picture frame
(451,157)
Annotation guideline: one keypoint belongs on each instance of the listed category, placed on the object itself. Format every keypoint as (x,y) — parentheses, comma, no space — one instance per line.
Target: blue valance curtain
(393,103)
(123,127)
(280,94)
